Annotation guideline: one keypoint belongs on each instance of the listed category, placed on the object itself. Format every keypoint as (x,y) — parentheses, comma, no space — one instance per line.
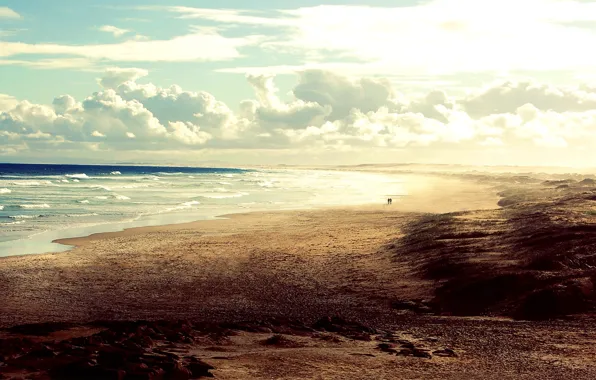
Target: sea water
(41,203)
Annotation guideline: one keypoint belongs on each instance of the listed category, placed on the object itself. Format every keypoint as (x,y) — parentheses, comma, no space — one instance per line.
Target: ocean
(41,203)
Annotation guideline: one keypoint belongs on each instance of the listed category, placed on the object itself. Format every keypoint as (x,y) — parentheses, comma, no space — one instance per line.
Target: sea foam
(5,191)
(36,206)
(184,206)
(223,196)
(78,176)
(24,216)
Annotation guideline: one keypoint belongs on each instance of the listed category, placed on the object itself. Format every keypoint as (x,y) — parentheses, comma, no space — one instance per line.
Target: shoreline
(421,186)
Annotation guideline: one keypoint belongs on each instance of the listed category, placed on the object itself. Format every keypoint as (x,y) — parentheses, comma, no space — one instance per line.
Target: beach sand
(397,275)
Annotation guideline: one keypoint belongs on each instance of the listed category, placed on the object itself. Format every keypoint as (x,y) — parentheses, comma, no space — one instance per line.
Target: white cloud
(434,37)
(115,31)
(7,102)
(509,96)
(328,113)
(188,134)
(115,76)
(52,63)
(6,12)
(191,47)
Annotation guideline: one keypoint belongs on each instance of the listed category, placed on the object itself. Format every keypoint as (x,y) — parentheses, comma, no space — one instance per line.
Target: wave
(163,173)
(80,215)
(265,184)
(103,198)
(184,206)
(85,201)
(136,186)
(75,180)
(5,191)
(223,196)
(122,197)
(102,188)
(224,183)
(116,173)
(1,207)
(64,180)
(24,216)
(12,223)
(27,183)
(78,176)
(35,206)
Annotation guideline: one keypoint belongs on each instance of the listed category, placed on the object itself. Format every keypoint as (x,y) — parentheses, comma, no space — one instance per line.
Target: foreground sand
(400,274)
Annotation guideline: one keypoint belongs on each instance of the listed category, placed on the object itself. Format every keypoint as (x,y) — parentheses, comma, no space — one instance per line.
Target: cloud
(342,94)
(8,13)
(327,113)
(11,32)
(116,32)
(509,96)
(7,102)
(431,37)
(113,77)
(53,63)
(190,47)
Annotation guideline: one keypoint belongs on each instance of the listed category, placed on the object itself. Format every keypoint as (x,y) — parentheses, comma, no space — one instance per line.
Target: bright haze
(296,82)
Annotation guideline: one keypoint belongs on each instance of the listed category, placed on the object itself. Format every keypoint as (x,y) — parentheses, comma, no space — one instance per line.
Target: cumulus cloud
(7,102)
(342,94)
(326,112)
(113,77)
(507,97)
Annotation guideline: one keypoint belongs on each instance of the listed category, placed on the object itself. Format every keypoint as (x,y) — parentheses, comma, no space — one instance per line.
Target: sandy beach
(446,269)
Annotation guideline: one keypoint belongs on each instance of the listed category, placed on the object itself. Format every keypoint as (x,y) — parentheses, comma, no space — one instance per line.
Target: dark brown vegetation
(533,259)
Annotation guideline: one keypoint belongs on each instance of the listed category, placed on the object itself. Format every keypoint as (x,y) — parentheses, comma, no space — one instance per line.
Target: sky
(298,82)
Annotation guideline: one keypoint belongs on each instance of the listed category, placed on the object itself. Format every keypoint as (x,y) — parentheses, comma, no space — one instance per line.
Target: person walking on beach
(389,201)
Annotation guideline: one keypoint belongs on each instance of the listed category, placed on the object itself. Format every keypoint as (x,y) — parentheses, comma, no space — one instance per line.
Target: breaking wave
(223,196)
(28,183)
(24,216)
(34,206)
(77,176)
(102,188)
(81,215)
(5,191)
(184,206)
(12,223)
